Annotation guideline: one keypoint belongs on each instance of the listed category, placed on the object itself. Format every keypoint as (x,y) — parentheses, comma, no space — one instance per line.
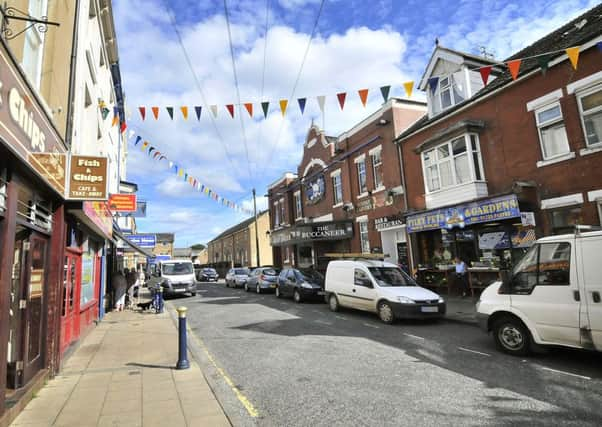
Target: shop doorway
(26,318)
(70,303)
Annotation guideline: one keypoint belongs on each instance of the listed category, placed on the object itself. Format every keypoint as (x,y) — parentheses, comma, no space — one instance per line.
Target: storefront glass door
(70,305)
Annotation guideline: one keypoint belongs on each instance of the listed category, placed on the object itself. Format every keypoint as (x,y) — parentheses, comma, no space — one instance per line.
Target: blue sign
(143,240)
(496,209)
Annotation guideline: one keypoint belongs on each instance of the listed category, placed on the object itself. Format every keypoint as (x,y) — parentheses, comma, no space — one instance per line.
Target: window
(564,220)
(337,188)
(276,215)
(453,163)
(546,264)
(298,205)
(360,277)
(377,165)
(552,134)
(91,68)
(590,105)
(364,240)
(33,47)
(282,217)
(361,176)
(450,90)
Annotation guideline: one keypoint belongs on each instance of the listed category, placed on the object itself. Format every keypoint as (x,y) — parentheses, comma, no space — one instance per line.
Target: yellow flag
(409,86)
(144,145)
(283,104)
(573,53)
(184,112)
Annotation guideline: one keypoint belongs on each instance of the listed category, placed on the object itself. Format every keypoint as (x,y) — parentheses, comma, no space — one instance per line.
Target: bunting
(433,82)
(485,72)
(184,111)
(155,112)
(573,54)
(301,102)
(249,107)
(283,105)
(170,112)
(142,112)
(341,97)
(115,116)
(321,101)
(409,87)
(543,62)
(514,67)
(384,91)
(264,107)
(198,110)
(230,108)
(213,109)
(363,93)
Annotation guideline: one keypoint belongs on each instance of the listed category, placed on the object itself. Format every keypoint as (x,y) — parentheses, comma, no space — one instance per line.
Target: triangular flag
(573,53)
(599,45)
(198,110)
(409,87)
(144,145)
(185,177)
(433,82)
(363,93)
(321,101)
(341,97)
(301,102)
(158,153)
(384,90)
(124,126)
(283,104)
(138,139)
(150,150)
(181,172)
(213,110)
(142,112)
(170,112)
(184,111)
(264,107)
(131,134)
(115,116)
(249,107)
(514,67)
(155,112)
(485,71)
(230,108)
(543,61)
(162,157)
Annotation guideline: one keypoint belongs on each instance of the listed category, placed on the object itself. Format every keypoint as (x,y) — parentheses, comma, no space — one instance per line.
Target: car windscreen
(312,276)
(209,270)
(176,268)
(241,271)
(271,272)
(391,276)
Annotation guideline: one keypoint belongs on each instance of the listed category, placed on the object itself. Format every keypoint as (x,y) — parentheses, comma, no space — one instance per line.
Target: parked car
(237,277)
(175,277)
(300,284)
(207,275)
(379,287)
(553,297)
(263,279)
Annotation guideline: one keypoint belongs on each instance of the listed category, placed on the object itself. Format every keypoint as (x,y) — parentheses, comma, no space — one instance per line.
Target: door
(70,310)
(590,248)
(546,292)
(363,293)
(290,282)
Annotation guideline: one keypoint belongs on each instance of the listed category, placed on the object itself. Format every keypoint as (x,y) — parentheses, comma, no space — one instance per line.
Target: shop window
(590,106)
(33,47)
(361,176)
(377,169)
(298,205)
(564,220)
(364,239)
(337,189)
(33,210)
(552,133)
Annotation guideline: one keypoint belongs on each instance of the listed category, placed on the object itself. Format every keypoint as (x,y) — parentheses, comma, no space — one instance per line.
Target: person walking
(119,288)
(461,277)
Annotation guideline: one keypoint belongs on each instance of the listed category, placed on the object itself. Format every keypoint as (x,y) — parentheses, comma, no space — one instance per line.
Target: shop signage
(314,189)
(122,202)
(100,215)
(140,209)
(364,205)
(527,218)
(313,232)
(26,129)
(143,240)
(88,178)
(496,209)
(388,222)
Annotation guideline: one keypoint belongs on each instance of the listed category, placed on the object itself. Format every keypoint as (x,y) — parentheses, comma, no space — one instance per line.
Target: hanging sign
(88,178)
(122,202)
(143,240)
(314,190)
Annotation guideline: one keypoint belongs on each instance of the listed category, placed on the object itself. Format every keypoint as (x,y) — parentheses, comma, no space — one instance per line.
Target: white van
(553,297)
(379,287)
(174,276)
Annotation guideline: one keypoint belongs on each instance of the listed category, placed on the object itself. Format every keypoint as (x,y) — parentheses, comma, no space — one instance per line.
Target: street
(300,364)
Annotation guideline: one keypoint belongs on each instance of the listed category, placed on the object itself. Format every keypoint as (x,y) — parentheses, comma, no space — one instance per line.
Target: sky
(357,44)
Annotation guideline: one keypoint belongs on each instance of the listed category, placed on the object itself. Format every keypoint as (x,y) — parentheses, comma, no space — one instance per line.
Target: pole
(182,351)
(256,228)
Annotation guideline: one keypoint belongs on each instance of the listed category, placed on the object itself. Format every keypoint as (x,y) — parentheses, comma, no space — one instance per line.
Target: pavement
(123,374)
(461,309)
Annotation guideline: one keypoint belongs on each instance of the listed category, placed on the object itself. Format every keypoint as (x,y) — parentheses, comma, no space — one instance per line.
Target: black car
(207,275)
(262,279)
(300,284)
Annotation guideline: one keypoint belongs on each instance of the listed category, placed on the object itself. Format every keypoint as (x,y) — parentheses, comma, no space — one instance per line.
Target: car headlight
(306,285)
(441,300)
(405,300)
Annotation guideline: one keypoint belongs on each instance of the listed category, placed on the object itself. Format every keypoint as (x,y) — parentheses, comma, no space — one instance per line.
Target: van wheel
(512,336)
(333,303)
(278,294)
(385,312)
(297,296)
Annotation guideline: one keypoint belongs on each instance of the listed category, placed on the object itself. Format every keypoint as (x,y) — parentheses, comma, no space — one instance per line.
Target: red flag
(123,127)
(363,95)
(249,108)
(230,108)
(155,112)
(485,71)
(142,112)
(341,96)
(514,66)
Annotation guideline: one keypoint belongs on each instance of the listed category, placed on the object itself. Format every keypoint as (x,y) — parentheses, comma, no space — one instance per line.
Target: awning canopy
(120,237)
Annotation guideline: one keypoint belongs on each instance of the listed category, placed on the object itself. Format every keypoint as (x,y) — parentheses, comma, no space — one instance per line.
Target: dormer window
(450,91)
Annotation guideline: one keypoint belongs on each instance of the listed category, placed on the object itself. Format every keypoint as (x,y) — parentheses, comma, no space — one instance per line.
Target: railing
(35,213)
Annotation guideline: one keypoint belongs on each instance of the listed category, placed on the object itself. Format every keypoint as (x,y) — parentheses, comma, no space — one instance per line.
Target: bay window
(590,106)
(453,163)
(552,134)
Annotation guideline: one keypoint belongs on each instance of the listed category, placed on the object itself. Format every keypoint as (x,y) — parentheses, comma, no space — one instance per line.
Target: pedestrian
(131,277)
(141,276)
(461,277)
(119,289)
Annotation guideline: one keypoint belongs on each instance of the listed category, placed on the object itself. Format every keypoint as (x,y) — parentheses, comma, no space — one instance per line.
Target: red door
(70,310)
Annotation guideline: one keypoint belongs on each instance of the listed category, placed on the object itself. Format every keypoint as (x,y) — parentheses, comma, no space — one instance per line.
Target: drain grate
(134,373)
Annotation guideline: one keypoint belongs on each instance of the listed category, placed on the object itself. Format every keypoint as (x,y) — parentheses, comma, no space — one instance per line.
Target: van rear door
(591,267)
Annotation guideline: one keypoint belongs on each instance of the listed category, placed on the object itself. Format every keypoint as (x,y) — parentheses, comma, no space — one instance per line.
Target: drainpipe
(72,69)
(402,172)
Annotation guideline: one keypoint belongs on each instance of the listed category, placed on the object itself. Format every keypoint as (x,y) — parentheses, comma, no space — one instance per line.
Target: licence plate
(429,309)
(272,286)
(180,290)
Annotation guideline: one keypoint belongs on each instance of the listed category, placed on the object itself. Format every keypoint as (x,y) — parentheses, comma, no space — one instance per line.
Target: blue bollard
(159,300)
(182,352)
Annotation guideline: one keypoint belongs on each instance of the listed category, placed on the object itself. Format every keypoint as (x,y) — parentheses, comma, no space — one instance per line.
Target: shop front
(392,230)
(487,235)
(305,246)
(32,188)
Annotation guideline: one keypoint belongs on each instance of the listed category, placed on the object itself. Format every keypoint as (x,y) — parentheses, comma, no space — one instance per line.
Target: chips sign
(122,202)
(88,178)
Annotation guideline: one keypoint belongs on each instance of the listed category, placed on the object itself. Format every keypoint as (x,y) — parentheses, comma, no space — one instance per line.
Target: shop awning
(118,236)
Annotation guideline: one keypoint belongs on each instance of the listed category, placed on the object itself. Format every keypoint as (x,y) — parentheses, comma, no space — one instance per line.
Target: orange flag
(184,111)
(573,53)
(409,87)
(514,66)
(363,93)
(283,104)
(249,108)
(155,112)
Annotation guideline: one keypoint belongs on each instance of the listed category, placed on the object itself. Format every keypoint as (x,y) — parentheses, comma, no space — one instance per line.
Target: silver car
(237,277)
(263,279)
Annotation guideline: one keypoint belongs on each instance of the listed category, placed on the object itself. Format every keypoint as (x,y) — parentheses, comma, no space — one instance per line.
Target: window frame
(362,188)
(298,205)
(546,124)
(374,154)
(282,211)
(538,248)
(441,88)
(337,190)
(364,236)
(582,94)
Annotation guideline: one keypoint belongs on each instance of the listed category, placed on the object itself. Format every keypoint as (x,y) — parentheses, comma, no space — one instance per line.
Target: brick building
(164,245)
(490,168)
(344,186)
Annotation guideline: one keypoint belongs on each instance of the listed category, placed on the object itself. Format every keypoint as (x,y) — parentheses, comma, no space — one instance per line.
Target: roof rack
(359,255)
(579,228)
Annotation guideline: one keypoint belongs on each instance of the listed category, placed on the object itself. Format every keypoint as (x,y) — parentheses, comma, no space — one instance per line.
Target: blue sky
(358,44)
